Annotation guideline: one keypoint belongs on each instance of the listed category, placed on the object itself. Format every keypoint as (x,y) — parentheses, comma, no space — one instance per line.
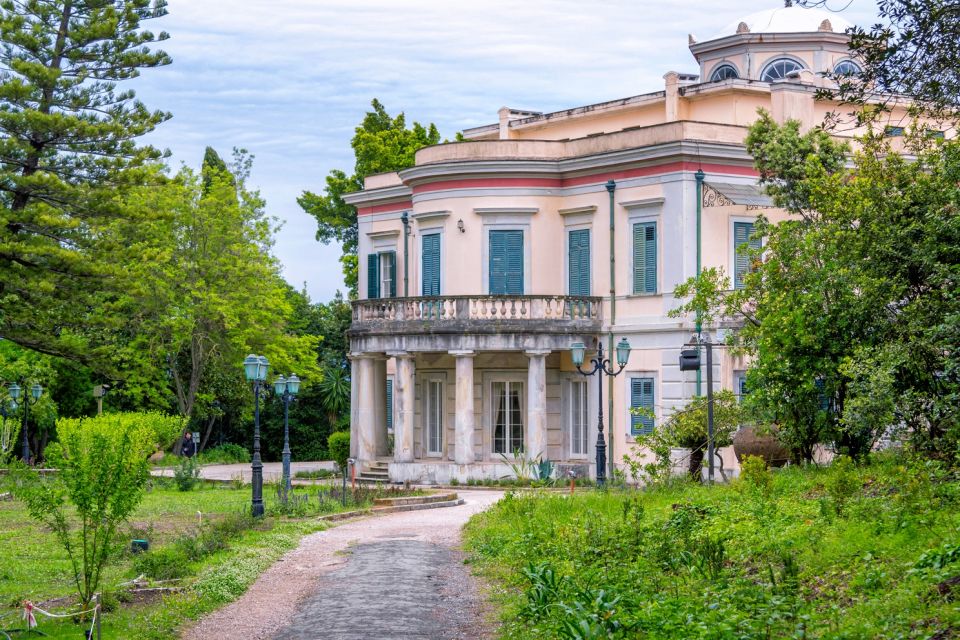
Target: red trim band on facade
(384,208)
(596,178)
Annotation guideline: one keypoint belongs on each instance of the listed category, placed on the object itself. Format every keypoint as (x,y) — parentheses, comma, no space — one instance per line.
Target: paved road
(271,470)
(397,576)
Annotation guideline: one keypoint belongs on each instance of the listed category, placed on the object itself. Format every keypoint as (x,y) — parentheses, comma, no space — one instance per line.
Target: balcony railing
(478,308)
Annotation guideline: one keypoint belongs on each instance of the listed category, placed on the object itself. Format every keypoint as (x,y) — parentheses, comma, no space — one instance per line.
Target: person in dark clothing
(189,448)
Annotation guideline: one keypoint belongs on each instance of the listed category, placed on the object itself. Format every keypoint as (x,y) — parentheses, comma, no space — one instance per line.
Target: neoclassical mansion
(482,264)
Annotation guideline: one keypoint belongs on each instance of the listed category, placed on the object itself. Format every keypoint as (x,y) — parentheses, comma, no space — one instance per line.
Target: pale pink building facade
(482,264)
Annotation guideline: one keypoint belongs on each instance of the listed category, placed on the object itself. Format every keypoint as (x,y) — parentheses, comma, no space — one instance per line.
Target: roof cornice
(384,195)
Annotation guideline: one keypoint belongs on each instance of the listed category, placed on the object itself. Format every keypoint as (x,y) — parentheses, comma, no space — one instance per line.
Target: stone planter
(747,442)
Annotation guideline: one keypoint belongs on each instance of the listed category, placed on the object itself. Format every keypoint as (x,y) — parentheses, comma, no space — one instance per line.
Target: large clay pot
(747,442)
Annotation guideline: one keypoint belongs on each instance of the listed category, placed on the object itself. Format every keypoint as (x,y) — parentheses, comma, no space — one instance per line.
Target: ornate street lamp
(28,400)
(603,366)
(255,369)
(287,389)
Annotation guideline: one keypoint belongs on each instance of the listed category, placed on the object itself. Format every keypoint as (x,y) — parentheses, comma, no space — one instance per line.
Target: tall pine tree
(68,148)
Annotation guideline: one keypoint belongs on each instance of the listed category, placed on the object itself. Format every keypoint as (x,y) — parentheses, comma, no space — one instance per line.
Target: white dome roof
(787,20)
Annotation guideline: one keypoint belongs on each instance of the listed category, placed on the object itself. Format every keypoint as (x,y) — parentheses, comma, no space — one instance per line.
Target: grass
(800,553)
(204,537)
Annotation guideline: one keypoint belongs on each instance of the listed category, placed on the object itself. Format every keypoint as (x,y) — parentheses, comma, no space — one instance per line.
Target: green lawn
(820,553)
(225,555)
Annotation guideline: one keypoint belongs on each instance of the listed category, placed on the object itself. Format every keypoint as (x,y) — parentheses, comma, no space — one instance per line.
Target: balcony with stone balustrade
(481,323)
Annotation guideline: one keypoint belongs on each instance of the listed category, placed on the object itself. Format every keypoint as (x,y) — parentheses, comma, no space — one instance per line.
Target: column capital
(400,354)
(368,355)
(462,353)
(531,353)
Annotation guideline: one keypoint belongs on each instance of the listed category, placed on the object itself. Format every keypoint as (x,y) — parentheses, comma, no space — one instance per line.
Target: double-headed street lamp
(602,366)
(255,368)
(287,389)
(35,392)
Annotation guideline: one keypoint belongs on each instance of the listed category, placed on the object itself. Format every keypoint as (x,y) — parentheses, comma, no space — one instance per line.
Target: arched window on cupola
(847,68)
(725,71)
(779,68)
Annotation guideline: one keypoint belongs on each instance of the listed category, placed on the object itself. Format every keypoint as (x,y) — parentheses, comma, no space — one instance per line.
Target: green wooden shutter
(506,263)
(373,276)
(742,232)
(578,254)
(641,397)
(392,266)
(645,257)
(389,404)
(430,257)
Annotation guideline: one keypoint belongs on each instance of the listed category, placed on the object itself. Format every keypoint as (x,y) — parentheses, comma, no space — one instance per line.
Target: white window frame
(427,381)
(657,399)
(732,254)
(588,226)
(640,215)
(777,58)
(513,377)
(589,410)
(721,65)
(508,219)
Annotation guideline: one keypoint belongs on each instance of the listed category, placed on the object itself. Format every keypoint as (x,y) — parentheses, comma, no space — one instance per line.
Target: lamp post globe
(623,352)
(293,384)
(577,350)
(264,369)
(36,391)
(14,391)
(250,366)
(280,385)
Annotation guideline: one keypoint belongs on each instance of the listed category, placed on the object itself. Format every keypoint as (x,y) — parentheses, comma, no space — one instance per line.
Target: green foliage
(190,308)
(103,469)
(843,484)
(687,428)
(755,475)
(186,474)
(850,313)
(381,143)
(68,148)
(685,560)
(225,454)
(338,445)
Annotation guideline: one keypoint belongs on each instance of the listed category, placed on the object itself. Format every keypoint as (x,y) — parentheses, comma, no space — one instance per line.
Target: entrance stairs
(377,472)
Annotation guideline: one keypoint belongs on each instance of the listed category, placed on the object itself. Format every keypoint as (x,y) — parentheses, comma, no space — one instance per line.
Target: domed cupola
(784,43)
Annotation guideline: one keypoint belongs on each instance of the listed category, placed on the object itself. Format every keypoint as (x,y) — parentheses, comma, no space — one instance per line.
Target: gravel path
(392,576)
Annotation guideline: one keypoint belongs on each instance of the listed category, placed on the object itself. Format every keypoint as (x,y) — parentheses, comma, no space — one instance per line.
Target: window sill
(643,295)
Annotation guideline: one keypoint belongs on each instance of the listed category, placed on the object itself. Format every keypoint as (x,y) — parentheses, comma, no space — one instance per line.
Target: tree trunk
(695,465)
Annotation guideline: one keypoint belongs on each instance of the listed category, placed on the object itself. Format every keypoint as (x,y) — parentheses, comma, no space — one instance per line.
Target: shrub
(227,453)
(755,474)
(843,483)
(104,467)
(338,444)
(186,474)
(165,563)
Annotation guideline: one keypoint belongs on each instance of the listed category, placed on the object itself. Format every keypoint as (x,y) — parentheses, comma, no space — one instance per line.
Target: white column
(366,442)
(463,441)
(403,396)
(537,404)
(354,403)
(379,362)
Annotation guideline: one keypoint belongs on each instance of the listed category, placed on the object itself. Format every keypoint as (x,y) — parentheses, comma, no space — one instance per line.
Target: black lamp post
(690,361)
(287,389)
(255,368)
(602,366)
(35,392)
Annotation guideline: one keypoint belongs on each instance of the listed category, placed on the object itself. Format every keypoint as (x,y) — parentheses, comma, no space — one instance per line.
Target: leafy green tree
(911,52)
(381,143)
(67,149)
(103,469)
(851,311)
(210,293)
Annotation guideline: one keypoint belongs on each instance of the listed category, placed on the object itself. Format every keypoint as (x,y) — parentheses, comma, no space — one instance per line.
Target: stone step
(408,500)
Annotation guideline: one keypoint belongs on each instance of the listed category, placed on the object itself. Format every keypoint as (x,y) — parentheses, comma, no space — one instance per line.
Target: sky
(289,80)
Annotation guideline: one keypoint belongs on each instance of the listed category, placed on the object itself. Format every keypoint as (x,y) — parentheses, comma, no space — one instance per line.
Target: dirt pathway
(393,576)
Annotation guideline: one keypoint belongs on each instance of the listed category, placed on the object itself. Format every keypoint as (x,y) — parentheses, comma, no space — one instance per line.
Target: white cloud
(290,79)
